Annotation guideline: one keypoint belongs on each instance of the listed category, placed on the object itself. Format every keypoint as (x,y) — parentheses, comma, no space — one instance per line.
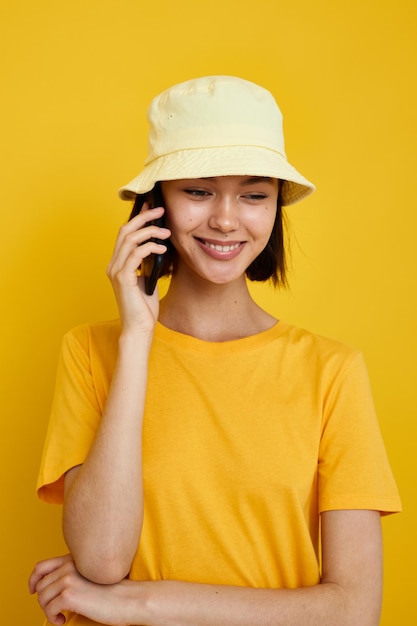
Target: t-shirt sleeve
(74,417)
(354,472)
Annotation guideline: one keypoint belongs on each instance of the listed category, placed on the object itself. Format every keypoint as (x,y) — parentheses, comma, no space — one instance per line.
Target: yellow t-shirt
(245,443)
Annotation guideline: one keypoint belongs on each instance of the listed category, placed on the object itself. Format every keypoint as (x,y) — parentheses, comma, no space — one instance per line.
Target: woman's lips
(220,249)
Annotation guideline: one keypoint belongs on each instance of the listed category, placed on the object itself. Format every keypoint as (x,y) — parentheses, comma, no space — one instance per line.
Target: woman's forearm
(104,503)
(171,603)
(350,593)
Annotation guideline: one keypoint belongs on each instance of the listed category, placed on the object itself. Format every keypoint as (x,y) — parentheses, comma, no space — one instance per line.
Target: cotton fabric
(245,443)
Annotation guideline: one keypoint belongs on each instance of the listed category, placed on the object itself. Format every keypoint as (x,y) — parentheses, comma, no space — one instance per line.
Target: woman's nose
(225,214)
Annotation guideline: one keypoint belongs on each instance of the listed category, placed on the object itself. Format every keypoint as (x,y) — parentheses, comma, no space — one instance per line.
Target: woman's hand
(61,588)
(138,311)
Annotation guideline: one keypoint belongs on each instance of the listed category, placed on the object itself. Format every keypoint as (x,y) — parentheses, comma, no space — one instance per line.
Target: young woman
(217,466)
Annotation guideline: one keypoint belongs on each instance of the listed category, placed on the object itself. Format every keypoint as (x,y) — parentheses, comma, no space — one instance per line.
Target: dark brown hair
(270,264)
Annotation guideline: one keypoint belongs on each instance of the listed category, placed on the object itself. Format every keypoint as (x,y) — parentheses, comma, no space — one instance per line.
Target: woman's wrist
(135,597)
(133,340)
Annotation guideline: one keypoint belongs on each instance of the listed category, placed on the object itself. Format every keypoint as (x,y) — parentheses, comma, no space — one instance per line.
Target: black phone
(152,265)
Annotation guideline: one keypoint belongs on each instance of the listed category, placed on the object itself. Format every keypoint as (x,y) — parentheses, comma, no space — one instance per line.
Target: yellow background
(76,80)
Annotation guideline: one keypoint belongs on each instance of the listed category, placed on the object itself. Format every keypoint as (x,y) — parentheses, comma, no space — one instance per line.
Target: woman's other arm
(349,594)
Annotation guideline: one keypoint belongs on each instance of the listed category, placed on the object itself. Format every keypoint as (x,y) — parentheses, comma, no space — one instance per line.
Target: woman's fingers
(62,589)
(134,243)
(46,567)
(132,254)
(137,231)
(45,581)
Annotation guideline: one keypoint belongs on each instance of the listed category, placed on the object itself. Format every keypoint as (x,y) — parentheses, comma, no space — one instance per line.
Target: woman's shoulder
(319,346)
(94,335)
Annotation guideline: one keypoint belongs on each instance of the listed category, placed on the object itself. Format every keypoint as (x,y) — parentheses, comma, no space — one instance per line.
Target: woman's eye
(199,193)
(256,196)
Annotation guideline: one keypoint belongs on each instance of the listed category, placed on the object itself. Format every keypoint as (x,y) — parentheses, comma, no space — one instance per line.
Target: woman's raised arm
(103,498)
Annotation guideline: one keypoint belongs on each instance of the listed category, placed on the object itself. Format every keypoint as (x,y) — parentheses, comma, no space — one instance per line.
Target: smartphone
(152,265)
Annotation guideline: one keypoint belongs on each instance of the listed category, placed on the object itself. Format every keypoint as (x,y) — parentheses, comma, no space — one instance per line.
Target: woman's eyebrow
(247,181)
(256,179)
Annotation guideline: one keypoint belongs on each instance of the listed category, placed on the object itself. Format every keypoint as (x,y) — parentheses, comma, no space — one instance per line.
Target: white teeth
(221,248)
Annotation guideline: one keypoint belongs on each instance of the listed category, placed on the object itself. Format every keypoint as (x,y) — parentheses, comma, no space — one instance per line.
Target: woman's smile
(219,249)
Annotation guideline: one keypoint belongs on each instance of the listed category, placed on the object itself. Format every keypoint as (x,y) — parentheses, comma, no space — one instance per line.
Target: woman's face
(220,225)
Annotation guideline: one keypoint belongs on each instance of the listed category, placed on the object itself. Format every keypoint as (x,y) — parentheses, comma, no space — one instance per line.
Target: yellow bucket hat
(216,126)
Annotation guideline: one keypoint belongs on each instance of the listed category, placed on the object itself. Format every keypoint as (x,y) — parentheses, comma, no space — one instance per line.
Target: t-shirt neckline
(188,342)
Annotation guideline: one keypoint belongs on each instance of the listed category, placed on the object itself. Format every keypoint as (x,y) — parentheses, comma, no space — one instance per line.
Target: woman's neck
(213,312)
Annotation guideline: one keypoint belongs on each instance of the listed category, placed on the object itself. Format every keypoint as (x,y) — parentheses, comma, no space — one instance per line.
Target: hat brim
(221,161)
